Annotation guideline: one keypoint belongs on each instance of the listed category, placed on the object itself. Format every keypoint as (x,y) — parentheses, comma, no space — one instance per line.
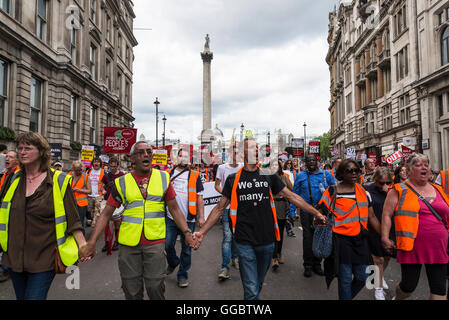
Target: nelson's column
(207,56)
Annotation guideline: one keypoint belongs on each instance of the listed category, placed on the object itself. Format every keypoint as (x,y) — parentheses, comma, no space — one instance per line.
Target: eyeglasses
(141,152)
(351,171)
(26,149)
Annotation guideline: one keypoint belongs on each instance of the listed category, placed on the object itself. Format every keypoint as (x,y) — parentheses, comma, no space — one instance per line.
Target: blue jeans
(348,287)
(31,286)
(185,259)
(228,248)
(254,262)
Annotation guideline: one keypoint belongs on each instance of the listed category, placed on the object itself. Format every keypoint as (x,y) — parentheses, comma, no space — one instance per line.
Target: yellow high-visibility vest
(68,249)
(147,214)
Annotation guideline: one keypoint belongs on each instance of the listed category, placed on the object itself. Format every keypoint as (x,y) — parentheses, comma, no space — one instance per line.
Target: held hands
(87,252)
(320,220)
(388,245)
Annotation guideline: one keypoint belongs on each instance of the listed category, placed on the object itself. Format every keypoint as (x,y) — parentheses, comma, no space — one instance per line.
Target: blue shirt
(319,182)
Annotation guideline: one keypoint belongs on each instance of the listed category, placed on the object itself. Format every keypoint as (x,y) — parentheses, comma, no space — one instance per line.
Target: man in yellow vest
(144,194)
(250,194)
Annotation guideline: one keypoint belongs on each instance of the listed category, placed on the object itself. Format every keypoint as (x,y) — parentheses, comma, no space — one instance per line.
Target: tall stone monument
(207,57)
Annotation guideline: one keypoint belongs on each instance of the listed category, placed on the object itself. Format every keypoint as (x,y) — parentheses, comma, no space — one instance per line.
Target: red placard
(314,148)
(118,140)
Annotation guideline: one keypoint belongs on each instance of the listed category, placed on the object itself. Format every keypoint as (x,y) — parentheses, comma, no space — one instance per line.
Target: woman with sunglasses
(290,171)
(352,208)
(382,179)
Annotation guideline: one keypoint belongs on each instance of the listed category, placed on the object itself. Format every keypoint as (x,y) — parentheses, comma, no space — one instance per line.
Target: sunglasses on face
(382,183)
(352,171)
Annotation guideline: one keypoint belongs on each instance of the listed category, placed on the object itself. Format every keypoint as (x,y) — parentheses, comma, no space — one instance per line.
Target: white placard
(211,197)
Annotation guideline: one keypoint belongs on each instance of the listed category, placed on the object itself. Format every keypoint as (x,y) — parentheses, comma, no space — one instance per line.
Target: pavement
(99,279)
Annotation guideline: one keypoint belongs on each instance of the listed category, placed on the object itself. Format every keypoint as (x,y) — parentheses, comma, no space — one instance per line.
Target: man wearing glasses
(144,194)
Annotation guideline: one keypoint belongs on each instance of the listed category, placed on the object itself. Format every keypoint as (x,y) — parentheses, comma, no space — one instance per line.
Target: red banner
(407,152)
(118,140)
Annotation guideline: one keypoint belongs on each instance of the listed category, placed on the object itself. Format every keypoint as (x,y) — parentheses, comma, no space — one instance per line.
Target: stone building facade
(66,69)
(388,80)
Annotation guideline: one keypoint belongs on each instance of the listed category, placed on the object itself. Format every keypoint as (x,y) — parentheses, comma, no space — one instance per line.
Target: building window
(440,105)
(400,20)
(387,118)
(127,93)
(73,45)
(93,125)
(35,104)
(402,64)
(93,53)
(108,120)
(445,47)
(108,27)
(370,120)
(108,74)
(349,103)
(362,126)
(387,80)
(7,6)
(73,117)
(119,85)
(3,91)
(93,11)
(41,20)
(119,45)
(404,109)
(350,133)
(127,56)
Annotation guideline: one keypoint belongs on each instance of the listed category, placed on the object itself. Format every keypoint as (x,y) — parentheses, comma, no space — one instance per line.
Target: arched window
(445,47)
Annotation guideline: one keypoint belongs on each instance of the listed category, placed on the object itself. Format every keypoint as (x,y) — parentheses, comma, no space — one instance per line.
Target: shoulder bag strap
(310,188)
(173,178)
(428,205)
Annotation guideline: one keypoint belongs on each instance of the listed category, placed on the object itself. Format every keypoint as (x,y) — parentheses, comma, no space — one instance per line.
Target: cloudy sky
(268,71)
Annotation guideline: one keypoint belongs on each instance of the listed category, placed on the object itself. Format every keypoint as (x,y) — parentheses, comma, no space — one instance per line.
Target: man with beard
(310,185)
(189,196)
(144,194)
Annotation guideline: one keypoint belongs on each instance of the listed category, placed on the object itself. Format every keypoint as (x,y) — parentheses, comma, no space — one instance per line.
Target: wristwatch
(187,231)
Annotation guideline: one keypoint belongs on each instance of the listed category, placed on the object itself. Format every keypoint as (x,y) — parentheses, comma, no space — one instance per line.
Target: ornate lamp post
(163,133)
(156,103)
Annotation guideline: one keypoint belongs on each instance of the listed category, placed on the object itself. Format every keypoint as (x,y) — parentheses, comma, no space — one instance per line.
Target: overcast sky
(268,71)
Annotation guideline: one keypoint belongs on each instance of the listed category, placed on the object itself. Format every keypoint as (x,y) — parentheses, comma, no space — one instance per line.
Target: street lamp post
(305,142)
(242,127)
(163,133)
(156,103)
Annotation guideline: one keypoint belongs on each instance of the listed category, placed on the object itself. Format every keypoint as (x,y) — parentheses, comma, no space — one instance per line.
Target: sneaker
(275,264)
(224,274)
(307,272)
(183,283)
(379,294)
(291,234)
(4,275)
(384,284)
(235,263)
(317,269)
(106,247)
(280,259)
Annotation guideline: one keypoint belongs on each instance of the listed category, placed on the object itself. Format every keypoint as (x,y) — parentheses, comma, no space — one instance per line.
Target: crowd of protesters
(377,213)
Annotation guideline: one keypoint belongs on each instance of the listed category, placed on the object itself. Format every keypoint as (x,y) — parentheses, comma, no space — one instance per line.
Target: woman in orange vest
(421,237)
(351,207)
(81,188)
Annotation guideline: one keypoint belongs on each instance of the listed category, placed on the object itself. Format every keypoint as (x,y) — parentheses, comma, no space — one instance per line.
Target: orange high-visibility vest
(99,180)
(406,218)
(234,206)
(349,214)
(333,172)
(445,181)
(81,198)
(193,176)
(2,181)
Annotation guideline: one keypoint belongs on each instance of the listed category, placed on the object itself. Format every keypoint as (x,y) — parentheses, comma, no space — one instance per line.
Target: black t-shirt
(255,223)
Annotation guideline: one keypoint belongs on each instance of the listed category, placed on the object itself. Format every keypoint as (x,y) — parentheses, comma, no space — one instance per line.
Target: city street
(100,280)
